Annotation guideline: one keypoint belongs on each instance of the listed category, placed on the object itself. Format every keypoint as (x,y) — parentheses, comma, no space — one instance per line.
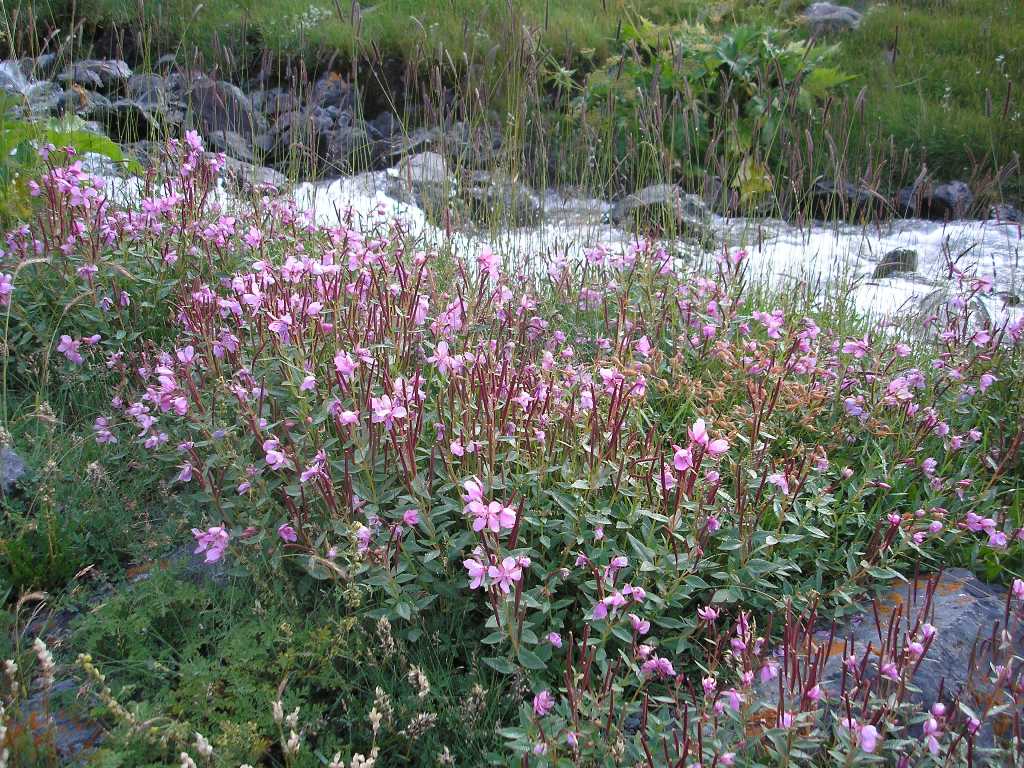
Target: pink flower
(640,626)
(345,365)
(69,348)
(287,533)
(857,347)
(212,541)
(282,326)
(411,517)
(493,516)
(505,573)
(707,614)
(555,639)
(868,738)
(643,346)
(477,572)
(659,667)
(683,459)
(276,458)
(386,410)
(543,703)
(6,288)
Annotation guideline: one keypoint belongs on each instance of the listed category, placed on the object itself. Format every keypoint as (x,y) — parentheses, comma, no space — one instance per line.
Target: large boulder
(663,208)
(149,90)
(496,198)
(126,121)
(221,106)
(831,200)
(86,104)
(942,202)
(99,74)
(827,19)
(1006,214)
(250,178)
(899,260)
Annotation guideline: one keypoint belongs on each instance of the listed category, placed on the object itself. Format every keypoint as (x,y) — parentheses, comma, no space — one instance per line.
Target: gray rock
(332,90)
(826,19)
(496,198)
(125,120)
(97,73)
(898,260)
(86,104)
(231,144)
(250,178)
(662,207)
(12,468)
(1005,213)
(384,127)
(965,613)
(423,168)
(149,90)
(221,106)
(831,200)
(12,77)
(400,145)
(42,98)
(345,144)
(944,202)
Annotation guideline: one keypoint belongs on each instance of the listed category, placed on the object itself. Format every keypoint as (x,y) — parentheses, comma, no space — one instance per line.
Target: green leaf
(529,659)
(500,664)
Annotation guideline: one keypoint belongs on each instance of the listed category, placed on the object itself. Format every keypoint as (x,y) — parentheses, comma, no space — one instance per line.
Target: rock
(662,207)
(898,260)
(125,121)
(248,177)
(277,102)
(332,90)
(400,145)
(149,154)
(97,73)
(423,168)
(148,90)
(221,106)
(476,147)
(12,468)
(231,144)
(86,104)
(494,198)
(12,77)
(384,127)
(964,611)
(345,144)
(832,200)
(951,200)
(826,19)
(1008,214)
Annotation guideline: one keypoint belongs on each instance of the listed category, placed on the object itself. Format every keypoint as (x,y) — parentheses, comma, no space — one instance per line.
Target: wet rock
(1006,214)
(827,19)
(332,91)
(400,145)
(384,127)
(97,73)
(944,202)
(895,261)
(494,198)
(831,200)
(221,106)
(663,208)
(423,168)
(12,468)
(148,90)
(86,104)
(12,77)
(251,178)
(231,144)
(966,614)
(126,121)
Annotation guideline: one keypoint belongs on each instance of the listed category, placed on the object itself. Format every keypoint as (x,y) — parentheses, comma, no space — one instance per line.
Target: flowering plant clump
(625,467)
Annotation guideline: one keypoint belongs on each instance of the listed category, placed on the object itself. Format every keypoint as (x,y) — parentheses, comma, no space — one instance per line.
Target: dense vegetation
(450,510)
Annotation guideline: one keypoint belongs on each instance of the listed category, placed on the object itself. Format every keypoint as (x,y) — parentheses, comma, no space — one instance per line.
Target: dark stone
(898,260)
(1006,214)
(85,103)
(492,197)
(221,106)
(231,144)
(148,153)
(345,145)
(97,73)
(276,102)
(12,468)
(148,90)
(400,145)
(384,127)
(663,208)
(827,18)
(951,200)
(843,201)
(332,90)
(126,121)
(251,178)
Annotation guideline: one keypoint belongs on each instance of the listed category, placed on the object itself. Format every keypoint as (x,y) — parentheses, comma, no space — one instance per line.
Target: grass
(943,81)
